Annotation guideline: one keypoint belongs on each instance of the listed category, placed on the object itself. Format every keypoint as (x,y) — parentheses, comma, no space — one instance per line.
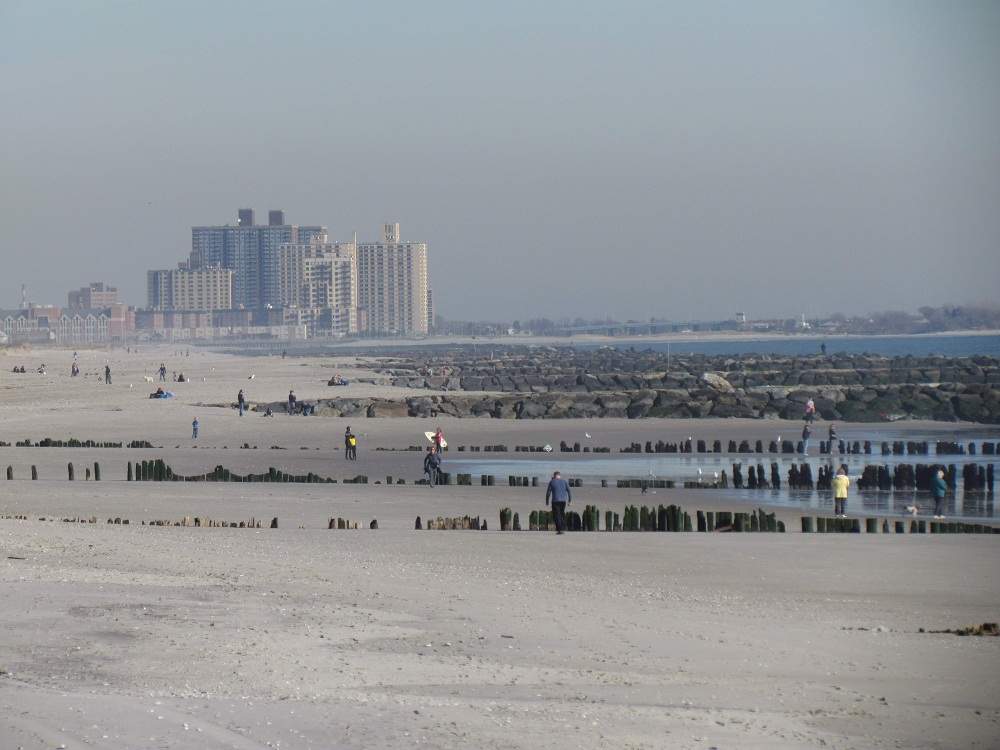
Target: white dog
(911,509)
(148,378)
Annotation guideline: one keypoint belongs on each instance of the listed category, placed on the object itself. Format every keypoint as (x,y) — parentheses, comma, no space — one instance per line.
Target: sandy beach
(296,637)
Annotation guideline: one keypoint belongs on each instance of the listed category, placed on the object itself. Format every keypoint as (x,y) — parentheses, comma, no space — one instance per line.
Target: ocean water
(918,346)
(685,467)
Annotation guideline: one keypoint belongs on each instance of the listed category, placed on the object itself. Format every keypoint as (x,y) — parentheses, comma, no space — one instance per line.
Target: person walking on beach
(107,374)
(938,490)
(840,484)
(833,438)
(806,434)
(163,373)
(810,413)
(291,402)
(194,429)
(241,402)
(350,445)
(558,492)
(438,440)
(432,466)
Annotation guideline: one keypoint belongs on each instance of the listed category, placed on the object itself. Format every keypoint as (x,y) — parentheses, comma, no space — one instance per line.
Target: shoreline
(693,338)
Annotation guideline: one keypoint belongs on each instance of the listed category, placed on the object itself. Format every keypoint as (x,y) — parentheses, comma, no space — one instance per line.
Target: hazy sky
(560,158)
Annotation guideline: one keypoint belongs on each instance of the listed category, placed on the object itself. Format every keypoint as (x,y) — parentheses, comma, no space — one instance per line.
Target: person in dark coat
(558,492)
(432,466)
(939,489)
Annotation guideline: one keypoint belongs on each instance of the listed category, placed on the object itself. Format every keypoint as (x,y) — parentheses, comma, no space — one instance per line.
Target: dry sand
(149,637)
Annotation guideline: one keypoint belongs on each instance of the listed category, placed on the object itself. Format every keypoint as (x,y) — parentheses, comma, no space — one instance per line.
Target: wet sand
(143,636)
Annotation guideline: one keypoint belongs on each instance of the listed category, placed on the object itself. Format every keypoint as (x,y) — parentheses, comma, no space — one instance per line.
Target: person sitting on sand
(268,412)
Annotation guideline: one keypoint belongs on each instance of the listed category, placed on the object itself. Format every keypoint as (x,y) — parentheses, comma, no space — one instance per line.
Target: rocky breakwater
(547,369)
(713,396)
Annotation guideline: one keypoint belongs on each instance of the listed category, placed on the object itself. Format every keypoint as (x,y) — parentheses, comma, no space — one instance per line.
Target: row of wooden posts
(670,518)
(822,525)
(894,448)
(75,443)
(902,477)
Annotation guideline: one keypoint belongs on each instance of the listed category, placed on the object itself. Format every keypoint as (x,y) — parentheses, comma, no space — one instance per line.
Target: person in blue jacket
(558,492)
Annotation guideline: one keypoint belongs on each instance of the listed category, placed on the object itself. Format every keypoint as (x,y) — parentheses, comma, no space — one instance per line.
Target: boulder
(717,382)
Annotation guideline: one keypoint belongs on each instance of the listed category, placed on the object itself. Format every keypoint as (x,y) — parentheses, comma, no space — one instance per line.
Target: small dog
(148,378)
(911,509)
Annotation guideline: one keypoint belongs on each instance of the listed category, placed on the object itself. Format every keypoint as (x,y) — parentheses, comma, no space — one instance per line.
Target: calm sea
(955,346)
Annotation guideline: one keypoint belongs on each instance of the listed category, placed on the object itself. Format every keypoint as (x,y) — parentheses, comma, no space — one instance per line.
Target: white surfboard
(430,437)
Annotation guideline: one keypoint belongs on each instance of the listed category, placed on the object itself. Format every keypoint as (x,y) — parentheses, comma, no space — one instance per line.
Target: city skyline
(636,160)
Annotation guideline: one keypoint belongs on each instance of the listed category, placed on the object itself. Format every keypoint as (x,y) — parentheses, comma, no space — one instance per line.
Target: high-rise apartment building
(184,289)
(96,296)
(393,290)
(251,252)
(321,277)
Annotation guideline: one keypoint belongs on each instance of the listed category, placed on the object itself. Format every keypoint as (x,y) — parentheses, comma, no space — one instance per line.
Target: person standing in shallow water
(840,484)
(194,429)
(939,488)
(558,492)
(241,402)
(806,434)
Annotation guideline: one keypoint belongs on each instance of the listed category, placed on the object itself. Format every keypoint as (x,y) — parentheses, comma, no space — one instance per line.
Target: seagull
(252,376)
